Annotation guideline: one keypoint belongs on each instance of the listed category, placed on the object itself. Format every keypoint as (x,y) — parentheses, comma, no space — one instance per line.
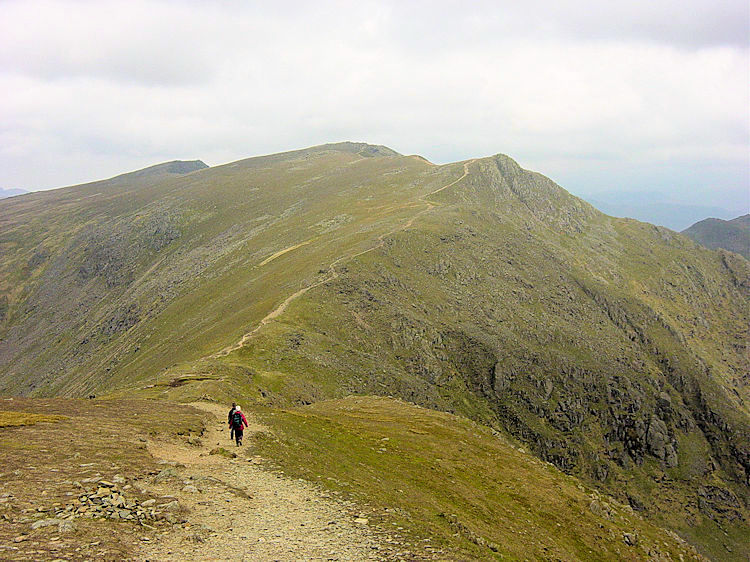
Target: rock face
(718,503)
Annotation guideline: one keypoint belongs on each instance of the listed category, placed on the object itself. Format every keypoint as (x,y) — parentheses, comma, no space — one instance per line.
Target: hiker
(229,419)
(238,423)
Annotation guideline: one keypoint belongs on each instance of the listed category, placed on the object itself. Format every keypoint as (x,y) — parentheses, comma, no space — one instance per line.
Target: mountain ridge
(614,349)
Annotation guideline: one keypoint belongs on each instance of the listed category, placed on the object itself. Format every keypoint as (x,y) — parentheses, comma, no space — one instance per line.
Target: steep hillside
(120,279)
(456,486)
(386,481)
(615,349)
(733,235)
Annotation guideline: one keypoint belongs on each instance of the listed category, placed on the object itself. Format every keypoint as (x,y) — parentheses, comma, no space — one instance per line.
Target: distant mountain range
(643,206)
(11,192)
(733,235)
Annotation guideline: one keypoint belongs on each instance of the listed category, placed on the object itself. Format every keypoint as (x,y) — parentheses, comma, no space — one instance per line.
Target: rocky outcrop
(719,503)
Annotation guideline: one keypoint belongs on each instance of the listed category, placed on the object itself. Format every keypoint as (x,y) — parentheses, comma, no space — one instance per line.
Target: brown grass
(39,465)
(15,419)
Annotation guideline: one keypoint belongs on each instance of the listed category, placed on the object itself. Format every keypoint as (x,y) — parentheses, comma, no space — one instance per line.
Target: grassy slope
(454,483)
(496,304)
(457,489)
(168,270)
(503,319)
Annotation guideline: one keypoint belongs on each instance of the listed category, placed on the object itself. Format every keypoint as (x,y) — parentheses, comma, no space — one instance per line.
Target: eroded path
(332,274)
(236,510)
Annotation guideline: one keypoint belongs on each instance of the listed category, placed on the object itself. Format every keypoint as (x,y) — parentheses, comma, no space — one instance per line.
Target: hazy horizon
(639,98)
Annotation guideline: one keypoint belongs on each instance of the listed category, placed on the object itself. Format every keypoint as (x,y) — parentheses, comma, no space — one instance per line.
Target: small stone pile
(109,501)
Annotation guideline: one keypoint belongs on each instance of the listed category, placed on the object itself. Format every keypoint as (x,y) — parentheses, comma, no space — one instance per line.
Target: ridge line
(332,273)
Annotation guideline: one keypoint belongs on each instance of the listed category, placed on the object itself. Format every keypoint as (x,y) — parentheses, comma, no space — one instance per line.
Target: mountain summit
(613,349)
(732,235)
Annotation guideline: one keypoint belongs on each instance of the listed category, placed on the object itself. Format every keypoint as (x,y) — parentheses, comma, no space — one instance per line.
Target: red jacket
(244,421)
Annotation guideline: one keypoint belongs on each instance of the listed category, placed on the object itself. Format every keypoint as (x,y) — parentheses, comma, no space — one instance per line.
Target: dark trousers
(238,435)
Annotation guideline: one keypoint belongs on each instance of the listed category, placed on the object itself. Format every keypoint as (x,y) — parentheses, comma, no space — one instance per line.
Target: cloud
(580,91)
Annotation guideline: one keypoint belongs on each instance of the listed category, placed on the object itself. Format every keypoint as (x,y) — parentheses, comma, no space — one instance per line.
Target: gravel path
(238,511)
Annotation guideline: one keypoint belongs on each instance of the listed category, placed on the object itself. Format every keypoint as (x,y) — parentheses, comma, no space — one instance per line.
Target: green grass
(16,419)
(453,482)
(510,302)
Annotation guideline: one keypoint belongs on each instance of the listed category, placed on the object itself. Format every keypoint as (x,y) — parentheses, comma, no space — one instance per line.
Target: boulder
(165,474)
(657,438)
(45,523)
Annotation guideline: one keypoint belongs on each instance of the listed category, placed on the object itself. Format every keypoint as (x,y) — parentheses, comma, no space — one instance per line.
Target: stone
(165,474)
(600,509)
(630,539)
(657,438)
(66,527)
(223,452)
(671,457)
(118,479)
(106,484)
(191,489)
(148,503)
(719,503)
(361,520)
(45,523)
(170,506)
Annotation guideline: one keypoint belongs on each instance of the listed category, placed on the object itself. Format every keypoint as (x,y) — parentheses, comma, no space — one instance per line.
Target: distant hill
(176,167)
(614,349)
(732,235)
(676,216)
(11,192)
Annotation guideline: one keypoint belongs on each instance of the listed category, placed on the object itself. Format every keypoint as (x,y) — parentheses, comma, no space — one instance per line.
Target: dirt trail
(332,274)
(284,251)
(239,511)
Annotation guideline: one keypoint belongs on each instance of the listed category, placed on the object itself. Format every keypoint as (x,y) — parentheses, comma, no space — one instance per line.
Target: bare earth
(239,511)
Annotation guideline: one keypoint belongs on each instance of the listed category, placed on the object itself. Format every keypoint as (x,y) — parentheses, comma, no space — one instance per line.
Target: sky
(647,98)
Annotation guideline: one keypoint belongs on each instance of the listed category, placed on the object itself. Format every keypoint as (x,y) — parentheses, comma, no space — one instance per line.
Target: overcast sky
(641,96)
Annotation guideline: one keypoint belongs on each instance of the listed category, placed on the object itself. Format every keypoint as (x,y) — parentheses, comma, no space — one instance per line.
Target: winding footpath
(236,510)
(332,273)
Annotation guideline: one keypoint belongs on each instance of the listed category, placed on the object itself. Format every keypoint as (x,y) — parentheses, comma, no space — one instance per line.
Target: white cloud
(578,90)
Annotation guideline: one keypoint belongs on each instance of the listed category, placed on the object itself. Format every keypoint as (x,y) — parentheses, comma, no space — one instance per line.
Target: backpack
(237,420)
